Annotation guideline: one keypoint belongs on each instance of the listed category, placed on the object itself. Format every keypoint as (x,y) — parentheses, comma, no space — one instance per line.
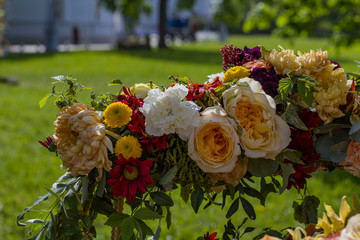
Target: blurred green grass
(25,166)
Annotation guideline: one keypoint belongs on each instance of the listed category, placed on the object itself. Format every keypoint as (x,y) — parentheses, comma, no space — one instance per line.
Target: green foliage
(292,19)
(306,212)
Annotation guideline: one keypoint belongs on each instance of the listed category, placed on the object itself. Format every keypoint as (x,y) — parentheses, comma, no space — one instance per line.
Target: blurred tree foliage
(337,19)
(131,9)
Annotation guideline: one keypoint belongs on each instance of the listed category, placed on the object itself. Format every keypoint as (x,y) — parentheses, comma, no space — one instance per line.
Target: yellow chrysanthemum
(129,147)
(117,114)
(235,73)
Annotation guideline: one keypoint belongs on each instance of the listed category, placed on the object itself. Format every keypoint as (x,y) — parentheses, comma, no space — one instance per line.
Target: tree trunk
(162,24)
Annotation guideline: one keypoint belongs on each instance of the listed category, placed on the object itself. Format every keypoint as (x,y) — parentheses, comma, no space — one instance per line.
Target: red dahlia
(129,177)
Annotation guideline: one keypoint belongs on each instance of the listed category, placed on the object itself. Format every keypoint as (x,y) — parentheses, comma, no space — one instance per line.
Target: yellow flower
(214,144)
(117,114)
(337,222)
(129,147)
(235,73)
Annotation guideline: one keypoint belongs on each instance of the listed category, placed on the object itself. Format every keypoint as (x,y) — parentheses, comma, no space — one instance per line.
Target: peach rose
(352,160)
(264,134)
(214,143)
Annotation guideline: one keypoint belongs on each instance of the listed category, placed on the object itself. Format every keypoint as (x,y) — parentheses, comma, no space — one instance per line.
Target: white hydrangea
(212,77)
(166,113)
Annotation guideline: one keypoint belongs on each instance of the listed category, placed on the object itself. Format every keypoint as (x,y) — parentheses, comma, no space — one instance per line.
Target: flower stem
(114,135)
(119,206)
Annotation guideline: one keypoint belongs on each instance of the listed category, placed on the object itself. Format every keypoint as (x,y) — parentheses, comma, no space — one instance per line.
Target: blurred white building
(29,21)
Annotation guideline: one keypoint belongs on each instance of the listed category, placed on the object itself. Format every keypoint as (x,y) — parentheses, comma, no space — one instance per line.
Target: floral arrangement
(262,125)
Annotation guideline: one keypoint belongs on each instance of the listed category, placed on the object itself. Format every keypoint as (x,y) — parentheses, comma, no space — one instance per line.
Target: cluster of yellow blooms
(332,88)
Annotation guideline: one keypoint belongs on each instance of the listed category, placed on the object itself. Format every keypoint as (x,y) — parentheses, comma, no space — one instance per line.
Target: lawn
(26,167)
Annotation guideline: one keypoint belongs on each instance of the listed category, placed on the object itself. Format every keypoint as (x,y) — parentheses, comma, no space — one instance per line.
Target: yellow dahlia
(117,114)
(129,147)
(233,73)
(81,141)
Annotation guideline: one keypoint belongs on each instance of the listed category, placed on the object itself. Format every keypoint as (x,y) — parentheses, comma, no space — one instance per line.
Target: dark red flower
(211,236)
(148,143)
(197,91)
(302,141)
(130,177)
(233,56)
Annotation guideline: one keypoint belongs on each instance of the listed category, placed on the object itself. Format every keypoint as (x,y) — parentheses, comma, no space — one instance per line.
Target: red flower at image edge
(211,236)
(302,141)
(129,177)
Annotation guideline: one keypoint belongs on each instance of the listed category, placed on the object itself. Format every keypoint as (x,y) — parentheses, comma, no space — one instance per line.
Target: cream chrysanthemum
(129,147)
(332,88)
(117,114)
(81,141)
(235,73)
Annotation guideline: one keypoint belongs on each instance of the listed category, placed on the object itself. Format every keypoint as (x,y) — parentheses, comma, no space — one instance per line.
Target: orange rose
(352,160)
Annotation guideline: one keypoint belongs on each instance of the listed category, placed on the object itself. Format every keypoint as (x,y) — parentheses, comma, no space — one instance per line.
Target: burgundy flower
(211,236)
(233,56)
(302,141)
(148,143)
(130,177)
(269,80)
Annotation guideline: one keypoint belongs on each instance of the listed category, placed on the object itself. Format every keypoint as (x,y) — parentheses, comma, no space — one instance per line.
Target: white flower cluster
(166,112)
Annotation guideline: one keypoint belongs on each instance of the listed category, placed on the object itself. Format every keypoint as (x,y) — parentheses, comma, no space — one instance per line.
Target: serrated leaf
(233,208)
(146,214)
(248,208)
(261,167)
(285,86)
(115,82)
(168,176)
(197,197)
(305,79)
(305,93)
(287,169)
(127,228)
(43,101)
(161,199)
(102,207)
(116,219)
(291,117)
(292,155)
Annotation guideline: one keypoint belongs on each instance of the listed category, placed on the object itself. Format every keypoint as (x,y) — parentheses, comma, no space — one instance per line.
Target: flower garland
(268,114)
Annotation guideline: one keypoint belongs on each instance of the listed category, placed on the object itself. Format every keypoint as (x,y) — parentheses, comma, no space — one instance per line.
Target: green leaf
(157,233)
(101,186)
(161,199)
(197,197)
(116,219)
(168,176)
(168,217)
(305,93)
(285,86)
(145,228)
(356,202)
(305,79)
(185,192)
(102,207)
(291,117)
(35,221)
(43,101)
(293,156)
(84,189)
(115,82)
(355,132)
(338,157)
(265,189)
(146,214)
(127,228)
(36,202)
(248,208)
(287,169)
(261,167)
(233,208)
